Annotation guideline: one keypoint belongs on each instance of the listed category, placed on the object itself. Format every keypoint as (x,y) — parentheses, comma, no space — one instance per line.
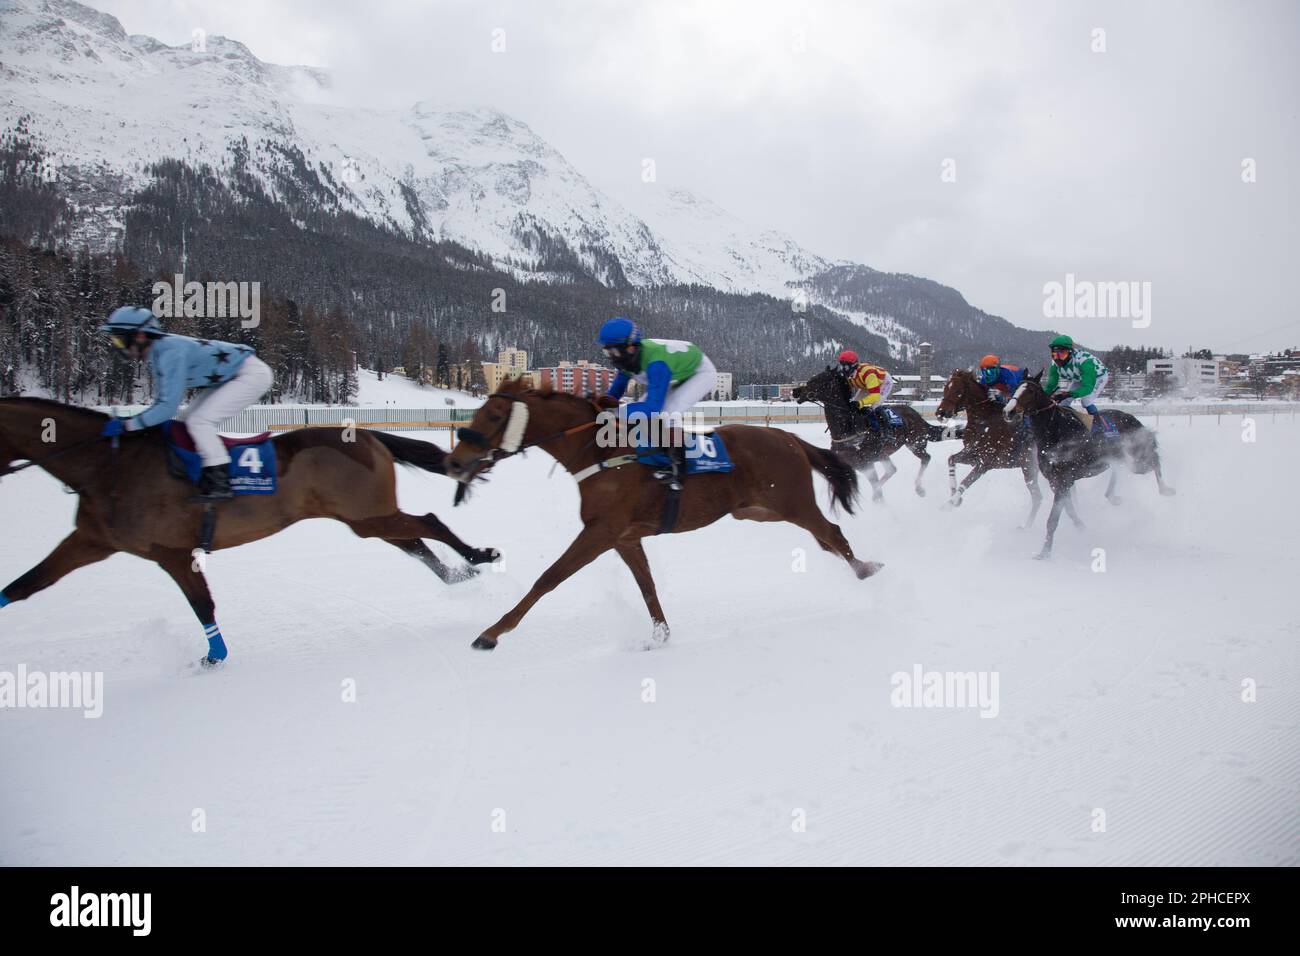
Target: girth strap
(605,465)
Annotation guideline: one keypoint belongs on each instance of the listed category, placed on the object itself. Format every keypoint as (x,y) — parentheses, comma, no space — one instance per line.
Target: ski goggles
(119,342)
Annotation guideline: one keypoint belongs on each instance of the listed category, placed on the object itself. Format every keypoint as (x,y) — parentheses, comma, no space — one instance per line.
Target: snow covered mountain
(104,105)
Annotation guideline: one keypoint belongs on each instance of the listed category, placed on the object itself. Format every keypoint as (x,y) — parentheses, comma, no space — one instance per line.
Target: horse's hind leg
(828,534)
(402,527)
(633,556)
(181,566)
(74,551)
(1160,478)
(920,452)
(420,551)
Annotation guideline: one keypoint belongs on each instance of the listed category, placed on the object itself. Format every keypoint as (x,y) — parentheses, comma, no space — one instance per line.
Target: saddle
(252,466)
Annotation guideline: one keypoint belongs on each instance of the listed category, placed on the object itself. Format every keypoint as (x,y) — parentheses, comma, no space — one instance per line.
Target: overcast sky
(833,121)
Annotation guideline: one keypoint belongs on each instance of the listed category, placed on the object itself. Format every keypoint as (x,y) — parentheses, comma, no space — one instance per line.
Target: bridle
(511,434)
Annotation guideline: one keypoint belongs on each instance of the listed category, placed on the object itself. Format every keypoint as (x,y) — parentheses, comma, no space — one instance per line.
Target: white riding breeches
(694,389)
(1091,397)
(209,408)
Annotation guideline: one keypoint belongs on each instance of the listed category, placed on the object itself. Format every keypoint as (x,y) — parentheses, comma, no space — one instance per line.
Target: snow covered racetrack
(1121,691)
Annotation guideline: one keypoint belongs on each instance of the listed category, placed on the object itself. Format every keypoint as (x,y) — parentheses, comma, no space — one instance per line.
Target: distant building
(575,377)
(722,391)
(767,393)
(511,363)
(1188,375)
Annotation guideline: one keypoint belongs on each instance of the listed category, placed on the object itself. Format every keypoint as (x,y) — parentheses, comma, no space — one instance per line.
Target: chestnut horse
(623,502)
(989,441)
(130,502)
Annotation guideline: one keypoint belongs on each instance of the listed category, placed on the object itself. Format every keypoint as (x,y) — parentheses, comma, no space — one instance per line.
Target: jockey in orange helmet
(1001,379)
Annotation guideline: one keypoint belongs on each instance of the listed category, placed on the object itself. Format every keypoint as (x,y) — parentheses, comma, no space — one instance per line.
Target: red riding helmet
(848,355)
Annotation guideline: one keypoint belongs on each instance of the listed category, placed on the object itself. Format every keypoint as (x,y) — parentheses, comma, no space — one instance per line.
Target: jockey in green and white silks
(675,374)
(1075,374)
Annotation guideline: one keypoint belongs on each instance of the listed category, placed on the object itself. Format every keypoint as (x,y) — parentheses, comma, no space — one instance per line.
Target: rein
(14,469)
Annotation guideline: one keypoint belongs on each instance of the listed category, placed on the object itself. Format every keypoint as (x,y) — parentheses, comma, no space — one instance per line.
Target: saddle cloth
(252,460)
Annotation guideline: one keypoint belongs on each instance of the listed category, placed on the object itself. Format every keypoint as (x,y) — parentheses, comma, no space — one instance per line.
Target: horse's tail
(842,478)
(413,453)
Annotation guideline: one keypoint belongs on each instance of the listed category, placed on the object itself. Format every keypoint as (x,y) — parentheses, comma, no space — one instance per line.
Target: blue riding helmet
(619,331)
(131,319)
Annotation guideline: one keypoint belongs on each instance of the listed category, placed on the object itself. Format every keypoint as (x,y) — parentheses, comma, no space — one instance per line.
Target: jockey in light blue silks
(230,376)
(675,374)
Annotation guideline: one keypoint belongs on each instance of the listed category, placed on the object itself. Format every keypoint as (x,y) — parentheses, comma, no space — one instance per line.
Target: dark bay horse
(989,441)
(1069,451)
(862,445)
(129,502)
(622,502)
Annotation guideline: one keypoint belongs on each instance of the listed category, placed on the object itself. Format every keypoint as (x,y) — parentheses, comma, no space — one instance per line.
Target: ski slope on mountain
(1119,691)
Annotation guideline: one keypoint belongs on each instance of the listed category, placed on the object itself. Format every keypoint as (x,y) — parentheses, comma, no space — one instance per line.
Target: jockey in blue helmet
(229,376)
(675,374)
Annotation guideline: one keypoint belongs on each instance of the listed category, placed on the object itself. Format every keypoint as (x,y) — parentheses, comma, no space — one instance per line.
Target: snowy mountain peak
(473,175)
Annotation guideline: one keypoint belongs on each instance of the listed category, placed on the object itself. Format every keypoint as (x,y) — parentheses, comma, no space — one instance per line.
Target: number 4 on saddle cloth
(705,454)
(252,460)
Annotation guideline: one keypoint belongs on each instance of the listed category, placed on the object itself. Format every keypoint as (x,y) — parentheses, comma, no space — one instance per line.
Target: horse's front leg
(75,551)
(1110,486)
(189,578)
(870,469)
(920,452)
(1029,468)
(591,543)
(633,556)
(1059,497)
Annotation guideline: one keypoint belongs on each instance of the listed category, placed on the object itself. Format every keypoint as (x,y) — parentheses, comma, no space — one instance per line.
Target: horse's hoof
(1115,500)
(1168,492)
(1043,555)
(659,633)
(877,498)
(483,555)
(865,569)
(211,663)
(920,492)
(460,575)
(484,643)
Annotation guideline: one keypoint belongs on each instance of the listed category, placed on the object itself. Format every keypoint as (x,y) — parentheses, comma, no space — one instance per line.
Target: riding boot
(214,484)
(676,466)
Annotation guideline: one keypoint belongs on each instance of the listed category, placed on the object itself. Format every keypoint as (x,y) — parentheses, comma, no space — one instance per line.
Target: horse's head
(827,387)
(513,418)
(958,393)
(1029,398)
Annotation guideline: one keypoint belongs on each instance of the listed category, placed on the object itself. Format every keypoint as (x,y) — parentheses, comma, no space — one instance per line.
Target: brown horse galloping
(129,502)
(989,441)
(622,502)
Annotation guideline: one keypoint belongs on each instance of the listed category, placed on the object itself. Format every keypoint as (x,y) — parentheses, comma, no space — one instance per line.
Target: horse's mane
(516,386)
(48,404)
